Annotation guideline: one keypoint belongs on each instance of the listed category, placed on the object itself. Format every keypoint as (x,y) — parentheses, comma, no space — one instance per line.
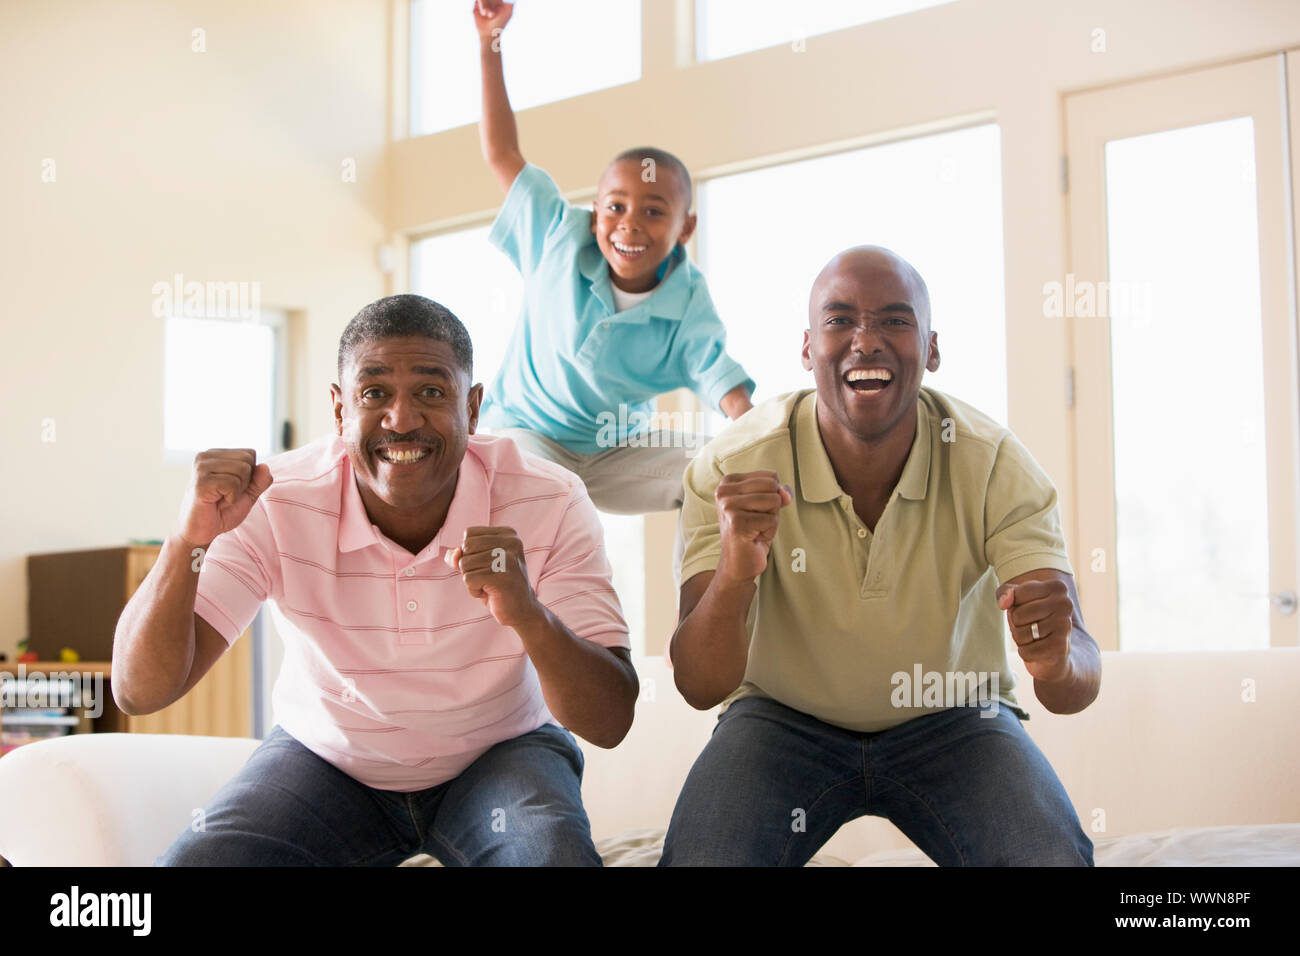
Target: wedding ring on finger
(1033,629)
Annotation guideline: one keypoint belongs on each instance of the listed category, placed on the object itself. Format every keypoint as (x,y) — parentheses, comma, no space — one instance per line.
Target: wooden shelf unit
(75,599)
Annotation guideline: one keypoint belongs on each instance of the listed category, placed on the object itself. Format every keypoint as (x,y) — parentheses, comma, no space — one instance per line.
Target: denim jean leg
(972,789)
(289,807)
(770,788)
(520,804)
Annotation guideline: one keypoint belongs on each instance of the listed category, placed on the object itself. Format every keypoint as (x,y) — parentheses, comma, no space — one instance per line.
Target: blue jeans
(519,804)
(774,784)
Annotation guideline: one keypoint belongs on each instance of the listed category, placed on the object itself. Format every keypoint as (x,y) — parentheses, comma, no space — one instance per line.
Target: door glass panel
(1187,361)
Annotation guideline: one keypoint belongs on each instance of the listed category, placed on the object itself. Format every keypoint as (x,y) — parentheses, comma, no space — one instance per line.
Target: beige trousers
(628,479)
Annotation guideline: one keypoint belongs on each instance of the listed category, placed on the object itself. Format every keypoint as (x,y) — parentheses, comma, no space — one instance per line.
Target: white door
(1182,300)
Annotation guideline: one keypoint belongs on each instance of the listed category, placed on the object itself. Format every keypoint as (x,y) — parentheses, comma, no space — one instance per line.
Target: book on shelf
(27,716)
(20,692)
(38,708)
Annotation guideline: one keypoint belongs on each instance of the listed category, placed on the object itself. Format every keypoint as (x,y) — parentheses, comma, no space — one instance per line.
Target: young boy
(614,313)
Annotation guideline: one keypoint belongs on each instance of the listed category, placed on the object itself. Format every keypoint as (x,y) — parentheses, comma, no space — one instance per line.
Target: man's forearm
(1080,687)
(710,649)
(153,646)
(587,688)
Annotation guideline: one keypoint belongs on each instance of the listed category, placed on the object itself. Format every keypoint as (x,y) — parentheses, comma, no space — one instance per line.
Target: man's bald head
(864,263)
(868,344)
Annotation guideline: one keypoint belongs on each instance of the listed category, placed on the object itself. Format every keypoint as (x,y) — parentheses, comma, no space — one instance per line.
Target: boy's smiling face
(637,223)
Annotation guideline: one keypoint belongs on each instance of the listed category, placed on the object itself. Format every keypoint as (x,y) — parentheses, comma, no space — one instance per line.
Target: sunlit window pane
(218,386)
(936,201)
(625,545)
(727,27)
(1187,360)
(471,277)
(552,50)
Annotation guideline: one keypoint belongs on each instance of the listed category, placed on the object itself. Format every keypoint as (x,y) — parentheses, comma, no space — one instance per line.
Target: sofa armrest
(108,799)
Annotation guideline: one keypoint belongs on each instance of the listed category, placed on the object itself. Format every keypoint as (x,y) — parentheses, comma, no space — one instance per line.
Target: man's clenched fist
(1041,616)
(224,486)
(491,562)
(749,506)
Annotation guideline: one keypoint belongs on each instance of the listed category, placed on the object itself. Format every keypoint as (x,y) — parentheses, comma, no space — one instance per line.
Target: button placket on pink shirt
(408,608)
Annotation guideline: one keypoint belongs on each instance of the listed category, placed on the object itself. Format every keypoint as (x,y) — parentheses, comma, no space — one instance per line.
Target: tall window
(467,274)
(471,277)
(727,27)
(935,200)
(552,50)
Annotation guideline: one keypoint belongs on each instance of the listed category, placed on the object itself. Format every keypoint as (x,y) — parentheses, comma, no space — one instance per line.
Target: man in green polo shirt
(851,552)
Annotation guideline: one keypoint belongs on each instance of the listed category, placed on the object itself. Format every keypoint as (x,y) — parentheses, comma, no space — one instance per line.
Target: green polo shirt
(841,613)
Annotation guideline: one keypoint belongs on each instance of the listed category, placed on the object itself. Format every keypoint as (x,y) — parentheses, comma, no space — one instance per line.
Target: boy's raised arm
(497,130)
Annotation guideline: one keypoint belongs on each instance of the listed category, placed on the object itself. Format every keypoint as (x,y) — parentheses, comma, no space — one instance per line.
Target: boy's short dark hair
(661,158)
(400,316)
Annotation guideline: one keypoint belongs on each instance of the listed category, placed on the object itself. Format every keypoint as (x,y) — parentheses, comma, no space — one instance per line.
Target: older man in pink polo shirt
(451,614)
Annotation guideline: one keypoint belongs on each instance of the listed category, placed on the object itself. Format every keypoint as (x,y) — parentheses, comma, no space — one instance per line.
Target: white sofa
(1171,764)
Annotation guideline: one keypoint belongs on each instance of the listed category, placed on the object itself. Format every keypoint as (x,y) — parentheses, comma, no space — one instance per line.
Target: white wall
(224,166)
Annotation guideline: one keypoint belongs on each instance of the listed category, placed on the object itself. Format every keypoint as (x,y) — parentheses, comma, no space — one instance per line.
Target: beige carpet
(1275,844)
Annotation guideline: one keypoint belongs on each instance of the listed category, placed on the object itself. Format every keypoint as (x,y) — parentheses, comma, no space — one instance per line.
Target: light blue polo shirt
(572,356)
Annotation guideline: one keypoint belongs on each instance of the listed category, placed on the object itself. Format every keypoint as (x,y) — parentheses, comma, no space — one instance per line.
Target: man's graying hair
(399,316)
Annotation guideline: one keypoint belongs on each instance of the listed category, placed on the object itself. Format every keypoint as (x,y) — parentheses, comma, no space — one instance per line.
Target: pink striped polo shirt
(392,672)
